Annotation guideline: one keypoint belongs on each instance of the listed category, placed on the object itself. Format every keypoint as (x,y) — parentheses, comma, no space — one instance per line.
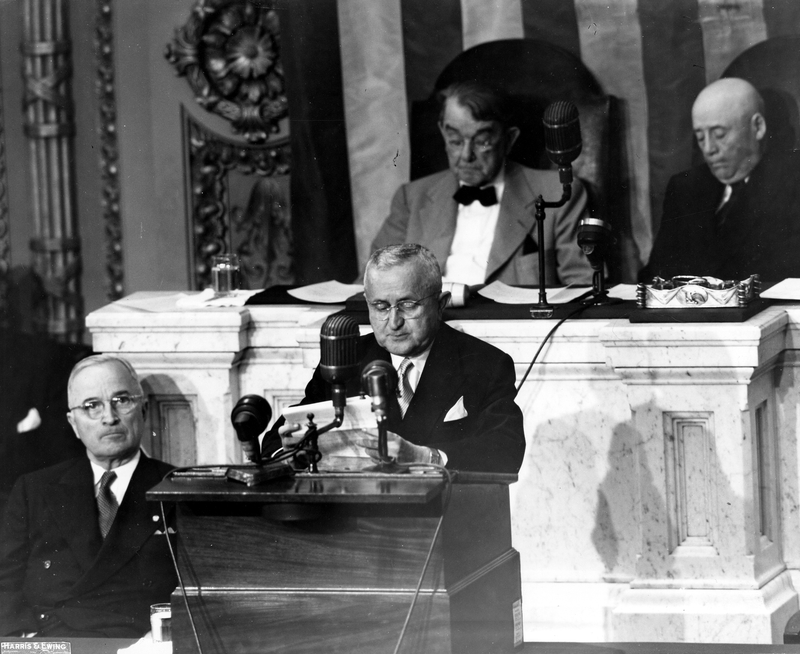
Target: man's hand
(398,448)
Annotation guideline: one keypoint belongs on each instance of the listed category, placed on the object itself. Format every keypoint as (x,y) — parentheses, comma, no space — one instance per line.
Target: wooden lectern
(330,562)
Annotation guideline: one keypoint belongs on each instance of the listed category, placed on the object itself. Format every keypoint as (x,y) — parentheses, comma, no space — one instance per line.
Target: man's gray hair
(98,359)
(398,255)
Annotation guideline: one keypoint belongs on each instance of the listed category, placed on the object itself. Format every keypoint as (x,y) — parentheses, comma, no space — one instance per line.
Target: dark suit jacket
(60,578)
(761,234)
(490,438)
(424,212)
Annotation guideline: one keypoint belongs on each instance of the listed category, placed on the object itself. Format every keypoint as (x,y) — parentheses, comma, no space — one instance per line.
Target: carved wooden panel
(239,202)
(691,479)
(229,52)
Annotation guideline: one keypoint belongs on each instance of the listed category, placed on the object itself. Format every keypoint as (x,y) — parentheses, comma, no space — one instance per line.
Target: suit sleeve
(395,227)
(15,614)
(572,265)
(493,439)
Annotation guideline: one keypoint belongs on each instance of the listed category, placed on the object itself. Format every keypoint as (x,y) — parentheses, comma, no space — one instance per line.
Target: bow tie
(468,194)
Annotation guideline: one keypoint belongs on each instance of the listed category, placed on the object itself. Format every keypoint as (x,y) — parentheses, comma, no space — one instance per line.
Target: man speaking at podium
(455,403)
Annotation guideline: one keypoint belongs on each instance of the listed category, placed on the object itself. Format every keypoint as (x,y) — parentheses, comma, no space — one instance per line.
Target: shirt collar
(124,474)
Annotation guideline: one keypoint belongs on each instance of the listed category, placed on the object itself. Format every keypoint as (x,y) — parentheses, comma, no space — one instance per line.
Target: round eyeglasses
(121,404)
(406,309)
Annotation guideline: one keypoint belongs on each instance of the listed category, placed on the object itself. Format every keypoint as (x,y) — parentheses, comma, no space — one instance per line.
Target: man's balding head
(728,122)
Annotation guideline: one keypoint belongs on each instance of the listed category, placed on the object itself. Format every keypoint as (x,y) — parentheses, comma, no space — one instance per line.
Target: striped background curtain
(654,55)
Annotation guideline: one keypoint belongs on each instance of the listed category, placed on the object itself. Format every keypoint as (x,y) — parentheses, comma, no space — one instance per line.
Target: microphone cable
(575,312)
(450,477)
(175,563)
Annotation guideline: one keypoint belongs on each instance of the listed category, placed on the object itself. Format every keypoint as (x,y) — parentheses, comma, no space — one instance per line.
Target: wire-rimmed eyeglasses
(406,309)
(121,404)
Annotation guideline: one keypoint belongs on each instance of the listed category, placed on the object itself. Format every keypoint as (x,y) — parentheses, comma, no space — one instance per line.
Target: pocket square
(29,422)
(457,411)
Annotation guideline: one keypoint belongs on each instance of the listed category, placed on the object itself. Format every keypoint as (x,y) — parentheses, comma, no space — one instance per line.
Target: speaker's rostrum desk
(331,562)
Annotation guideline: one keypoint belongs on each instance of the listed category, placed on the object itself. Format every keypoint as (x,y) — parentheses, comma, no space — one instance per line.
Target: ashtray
(696,292)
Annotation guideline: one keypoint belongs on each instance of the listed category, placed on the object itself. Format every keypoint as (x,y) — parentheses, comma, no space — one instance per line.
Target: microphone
(338,343)
(379,381)
(562,136)
(250,417)
(594,237)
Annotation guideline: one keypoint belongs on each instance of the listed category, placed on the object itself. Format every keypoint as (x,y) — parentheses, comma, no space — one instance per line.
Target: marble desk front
(659,496)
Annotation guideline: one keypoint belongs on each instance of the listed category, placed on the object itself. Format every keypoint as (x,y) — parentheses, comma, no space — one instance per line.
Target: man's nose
(110,415)
(709,145)
(395,318)
(468,151)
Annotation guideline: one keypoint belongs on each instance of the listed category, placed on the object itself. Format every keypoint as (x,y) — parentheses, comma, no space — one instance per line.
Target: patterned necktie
(487,196)
(725,210)
(404,392)
(106,502)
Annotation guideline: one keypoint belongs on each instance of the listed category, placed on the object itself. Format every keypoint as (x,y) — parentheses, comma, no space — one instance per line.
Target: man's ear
(512,134)
(444,298)
(759,125)
(71,421)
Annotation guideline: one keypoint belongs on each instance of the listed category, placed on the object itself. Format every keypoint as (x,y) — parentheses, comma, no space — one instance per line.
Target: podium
(330,562)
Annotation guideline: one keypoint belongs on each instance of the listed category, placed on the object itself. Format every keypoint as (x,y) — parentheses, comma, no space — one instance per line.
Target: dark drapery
(322,212)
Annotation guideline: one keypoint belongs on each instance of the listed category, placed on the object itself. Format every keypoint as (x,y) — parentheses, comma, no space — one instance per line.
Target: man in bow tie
(478,216)
(81,552)
(456,401)
(735,214)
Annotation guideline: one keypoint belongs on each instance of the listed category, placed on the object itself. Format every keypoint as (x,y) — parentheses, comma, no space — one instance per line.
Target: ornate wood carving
(50,128)
(109,151)
(5,245)
(229,52)
(256,223)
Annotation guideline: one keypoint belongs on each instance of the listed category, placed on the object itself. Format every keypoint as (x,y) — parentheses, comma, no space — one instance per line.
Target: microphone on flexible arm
(594,238)
(338,344)
(250,417)
(563,144)
(379,381)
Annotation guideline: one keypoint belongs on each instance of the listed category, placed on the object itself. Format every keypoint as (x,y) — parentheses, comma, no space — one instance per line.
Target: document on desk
(788,289)
(339,447)
(331,292)
(505,294)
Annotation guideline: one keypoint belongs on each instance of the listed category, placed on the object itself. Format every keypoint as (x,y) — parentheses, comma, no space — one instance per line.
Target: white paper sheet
(331,292)
(505,294)
(788,289)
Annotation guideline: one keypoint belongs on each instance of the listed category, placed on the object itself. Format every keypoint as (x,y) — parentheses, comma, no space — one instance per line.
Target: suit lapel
(516,218)
(71,502)
(438,217)
(132,526)
(438,390)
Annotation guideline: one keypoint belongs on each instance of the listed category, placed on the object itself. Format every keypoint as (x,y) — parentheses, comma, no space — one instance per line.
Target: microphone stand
(544,309)
(386,463)
(313,433)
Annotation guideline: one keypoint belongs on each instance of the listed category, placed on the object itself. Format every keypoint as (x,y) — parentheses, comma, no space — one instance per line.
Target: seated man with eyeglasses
(455,403)
(478,217)
(81,552)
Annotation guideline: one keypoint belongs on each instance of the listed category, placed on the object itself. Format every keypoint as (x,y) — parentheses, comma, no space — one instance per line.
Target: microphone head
(594,235)
(378,372)
(338,344)
(562,132)
(250,417)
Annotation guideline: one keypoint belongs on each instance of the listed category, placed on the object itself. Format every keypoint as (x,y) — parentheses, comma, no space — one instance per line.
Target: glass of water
(225,270)
(161,622)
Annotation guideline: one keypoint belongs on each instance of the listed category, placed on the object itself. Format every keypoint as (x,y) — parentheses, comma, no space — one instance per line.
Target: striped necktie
(106,502)
(404,392)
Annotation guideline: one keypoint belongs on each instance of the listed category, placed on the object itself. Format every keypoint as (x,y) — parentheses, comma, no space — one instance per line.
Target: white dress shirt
(123,480)
(472,241)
